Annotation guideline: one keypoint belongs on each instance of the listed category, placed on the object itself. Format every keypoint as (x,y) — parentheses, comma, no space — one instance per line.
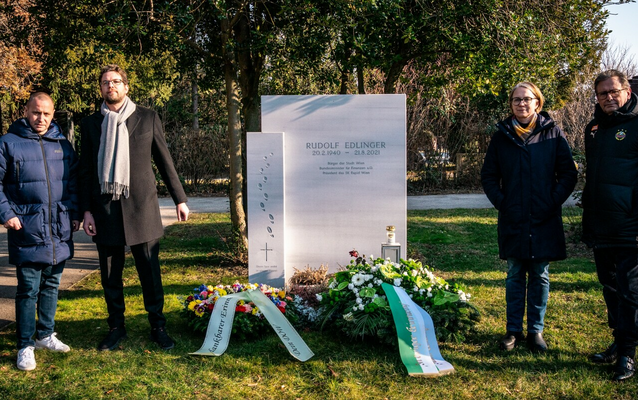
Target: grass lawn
(458,244)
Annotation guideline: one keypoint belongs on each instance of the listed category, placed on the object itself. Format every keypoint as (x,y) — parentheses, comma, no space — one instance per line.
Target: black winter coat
(528,182)
(38,184)
(610,197)
(135,219)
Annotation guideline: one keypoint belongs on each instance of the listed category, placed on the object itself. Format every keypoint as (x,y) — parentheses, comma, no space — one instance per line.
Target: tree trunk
(392,77)
(250,66)
(360,86)
(237,213)
(345,76)
(195,95)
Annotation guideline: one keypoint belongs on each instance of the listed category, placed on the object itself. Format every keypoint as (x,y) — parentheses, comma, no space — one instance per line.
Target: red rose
(282,309)
(189,299)
(354,253)
(211,306)
(240,309)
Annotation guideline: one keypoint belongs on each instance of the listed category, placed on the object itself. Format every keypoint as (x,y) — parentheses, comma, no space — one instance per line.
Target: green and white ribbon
(415,332)
(220,325)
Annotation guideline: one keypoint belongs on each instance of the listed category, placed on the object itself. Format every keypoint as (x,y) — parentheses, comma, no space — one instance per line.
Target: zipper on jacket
(46,172)
(18,172)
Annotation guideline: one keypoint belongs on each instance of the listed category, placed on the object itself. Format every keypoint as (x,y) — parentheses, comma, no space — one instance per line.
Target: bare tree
(577,113)
(619,57)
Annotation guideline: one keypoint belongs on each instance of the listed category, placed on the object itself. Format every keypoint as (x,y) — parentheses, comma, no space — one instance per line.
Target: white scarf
(113,156)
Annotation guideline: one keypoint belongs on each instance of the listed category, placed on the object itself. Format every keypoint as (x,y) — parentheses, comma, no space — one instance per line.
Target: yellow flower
(241,302)
(255,310)
(199,312)
(192,304)
(282,294)
(222,292)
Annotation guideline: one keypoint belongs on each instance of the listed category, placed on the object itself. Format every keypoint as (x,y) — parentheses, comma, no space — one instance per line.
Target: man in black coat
(118,197)
(610,216)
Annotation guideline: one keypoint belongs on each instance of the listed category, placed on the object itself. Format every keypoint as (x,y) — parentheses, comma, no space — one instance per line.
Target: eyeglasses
(518,100)
(115,82)
(614,93)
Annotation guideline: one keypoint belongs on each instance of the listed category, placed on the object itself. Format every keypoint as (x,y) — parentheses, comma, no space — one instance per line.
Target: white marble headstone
(265,171)
(344,177)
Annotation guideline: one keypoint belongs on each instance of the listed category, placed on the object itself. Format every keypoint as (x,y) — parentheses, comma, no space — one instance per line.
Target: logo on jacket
(621,134)
(594,129)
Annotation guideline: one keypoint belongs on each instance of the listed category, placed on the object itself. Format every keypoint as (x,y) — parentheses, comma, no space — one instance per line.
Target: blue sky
(622,19)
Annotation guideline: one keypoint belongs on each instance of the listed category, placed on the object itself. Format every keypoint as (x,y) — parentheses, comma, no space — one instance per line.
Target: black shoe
(624,369)
(536,343)
(511,340)
(609,356)
(113,339)
(159,336)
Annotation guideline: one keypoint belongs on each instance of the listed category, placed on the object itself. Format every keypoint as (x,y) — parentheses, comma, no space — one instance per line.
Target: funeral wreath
(249,321)
(355,302)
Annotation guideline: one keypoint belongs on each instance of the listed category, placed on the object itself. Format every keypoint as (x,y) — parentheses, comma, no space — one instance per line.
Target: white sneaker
(26,359)
(51,343)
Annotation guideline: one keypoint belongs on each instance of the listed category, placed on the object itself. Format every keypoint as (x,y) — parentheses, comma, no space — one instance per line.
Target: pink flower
(354,253)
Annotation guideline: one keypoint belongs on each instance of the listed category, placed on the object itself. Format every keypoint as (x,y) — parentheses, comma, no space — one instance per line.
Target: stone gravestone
(328,179)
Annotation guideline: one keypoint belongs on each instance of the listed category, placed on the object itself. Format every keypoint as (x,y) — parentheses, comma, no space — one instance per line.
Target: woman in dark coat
(528,173)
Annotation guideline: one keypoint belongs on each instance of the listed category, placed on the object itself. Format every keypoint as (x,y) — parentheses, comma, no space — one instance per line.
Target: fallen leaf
(333,372)
(255,383)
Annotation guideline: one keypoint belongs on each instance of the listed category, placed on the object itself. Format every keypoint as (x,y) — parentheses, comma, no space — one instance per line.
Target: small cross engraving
(266,250)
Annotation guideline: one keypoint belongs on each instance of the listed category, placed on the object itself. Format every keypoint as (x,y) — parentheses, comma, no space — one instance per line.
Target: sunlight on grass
(459,245)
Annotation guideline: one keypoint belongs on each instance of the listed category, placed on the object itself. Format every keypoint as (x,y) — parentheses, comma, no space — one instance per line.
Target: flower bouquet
(356,304)
(249,320)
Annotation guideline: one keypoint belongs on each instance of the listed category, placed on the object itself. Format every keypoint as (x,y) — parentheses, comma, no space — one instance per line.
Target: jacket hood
(628,111)
(22,128)
(543,122)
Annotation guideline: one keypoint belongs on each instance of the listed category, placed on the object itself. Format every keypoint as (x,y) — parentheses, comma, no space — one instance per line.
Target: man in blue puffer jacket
(38,206)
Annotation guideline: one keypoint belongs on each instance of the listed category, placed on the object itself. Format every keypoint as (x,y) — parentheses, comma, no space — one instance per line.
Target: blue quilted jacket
(38,184)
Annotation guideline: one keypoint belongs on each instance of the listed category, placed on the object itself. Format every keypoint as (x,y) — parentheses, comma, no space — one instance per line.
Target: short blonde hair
(532,88)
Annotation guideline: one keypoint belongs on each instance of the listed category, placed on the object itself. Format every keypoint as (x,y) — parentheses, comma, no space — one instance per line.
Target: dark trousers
(617,270)
(146,257)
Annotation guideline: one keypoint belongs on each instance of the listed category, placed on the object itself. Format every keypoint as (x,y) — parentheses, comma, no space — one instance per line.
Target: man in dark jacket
(38,206)
(610,216)
(118,197)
